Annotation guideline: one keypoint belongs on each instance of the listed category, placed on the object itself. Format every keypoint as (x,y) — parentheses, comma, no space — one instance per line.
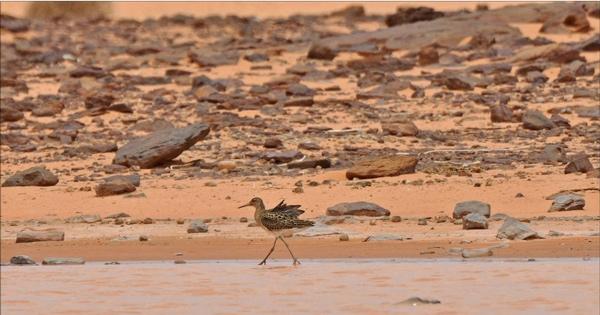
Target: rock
(579,163)
(256,57)
(514,229)
(383,237)
(560,121)
(9,114)
(478,252)
(22,260)
(428,56)
(456,81)
(554,153)
(535,120)
(473,206)
(591,44)
(279,157)
(35,176)
(298,89)
(299,101)
(567,202)
(160,147)
(396,218)
(84,218)
(393,165)
(273,143)
(99,102)
(133,178)
(501,113)
(197,226)
(243,220)
(401,129)
(114,187)
(309,146)
(357,208)
(474,221)
(13,24)
(344,237)
(322,52)
(412,15)
(415,301)
(118,215)
(422,221)
(536,77)
(323,163)
(48,108)
(143,238)
(214,59)
(29,236)
(63,261)
(226,165)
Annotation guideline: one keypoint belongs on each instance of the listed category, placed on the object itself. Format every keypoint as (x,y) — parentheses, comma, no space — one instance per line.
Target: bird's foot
(296,262)
(264,262)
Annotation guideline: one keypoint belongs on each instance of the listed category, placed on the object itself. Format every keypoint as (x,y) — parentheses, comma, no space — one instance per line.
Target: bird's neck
(259,209)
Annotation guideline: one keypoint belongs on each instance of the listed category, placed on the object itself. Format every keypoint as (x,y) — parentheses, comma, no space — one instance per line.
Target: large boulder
(579,163)
(35,176)
(160,147)
(357,208)
(567,202)
(474,221)
(472,206)
(116,186)
(393,165)
(535,120)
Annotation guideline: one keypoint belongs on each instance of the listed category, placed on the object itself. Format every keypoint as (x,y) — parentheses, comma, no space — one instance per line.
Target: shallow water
(547,286)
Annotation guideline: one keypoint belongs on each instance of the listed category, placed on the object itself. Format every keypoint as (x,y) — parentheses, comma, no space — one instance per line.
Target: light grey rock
(477,252)
(513,229)
(474,221)
(472,206)
(84,218)
(358,208)
(567,202)
(63,261)
(40,236)
(197,226)
(22,260)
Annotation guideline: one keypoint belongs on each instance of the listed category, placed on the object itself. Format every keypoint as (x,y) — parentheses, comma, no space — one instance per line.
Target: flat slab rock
(35,176)
(393,165)
(472,206)
(160,146)
(22,260)
(358,208)
(40,236)
(514,229)
(63,261)
(567,202)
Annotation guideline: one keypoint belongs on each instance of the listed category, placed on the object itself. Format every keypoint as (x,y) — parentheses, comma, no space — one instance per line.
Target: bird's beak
(246,205)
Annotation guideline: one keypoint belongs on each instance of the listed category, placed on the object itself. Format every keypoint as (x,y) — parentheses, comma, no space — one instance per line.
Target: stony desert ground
(431,132)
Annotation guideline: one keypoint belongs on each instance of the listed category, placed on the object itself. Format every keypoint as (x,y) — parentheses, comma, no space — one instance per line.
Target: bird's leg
(296,261)
(264,261)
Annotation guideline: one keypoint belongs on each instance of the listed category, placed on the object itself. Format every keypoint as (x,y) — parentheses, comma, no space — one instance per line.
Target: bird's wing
(291,210)
(280,221)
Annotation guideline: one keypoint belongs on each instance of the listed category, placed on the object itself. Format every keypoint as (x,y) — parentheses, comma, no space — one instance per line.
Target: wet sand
(316,287)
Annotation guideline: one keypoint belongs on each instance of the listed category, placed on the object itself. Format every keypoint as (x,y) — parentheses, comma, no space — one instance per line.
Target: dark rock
(588,112)
(501,113)
(428,56)
(591,44)
(357,208)
(535,120)
(473,206)
(299,101)
(412,15)
(298,89)
(35,176)
(474,220)
(322,52)
(273,143)
(382,166)
(197,226)
(40,236)
(133,179)
(414,301)
(121,108)
(88,71)
(279,157)
(114,187)
(9,113)
(118,215)
(309,146)
(579,163)
(13,24)
(22,260)
(323,163)
(63,261)
(567,202)
(560,121)
(256,57)
(160,147)
(514,229)
(99,101)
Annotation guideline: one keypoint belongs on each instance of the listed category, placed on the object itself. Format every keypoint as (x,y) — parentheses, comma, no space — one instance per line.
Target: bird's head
(256,202)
